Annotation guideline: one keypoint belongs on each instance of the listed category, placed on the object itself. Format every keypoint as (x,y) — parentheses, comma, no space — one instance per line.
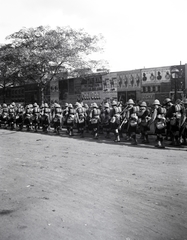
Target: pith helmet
(70,105)
(130,101)
(114,103)
(94,105)
(156,102)
(167,100)
(106,105)
(86,105)
(57,105)
(76,104)
(143,104)
(35,104)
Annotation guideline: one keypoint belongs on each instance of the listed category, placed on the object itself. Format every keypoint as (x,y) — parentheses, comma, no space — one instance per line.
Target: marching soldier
(28,117)
(132,119)
(0,113)
(95,119)
(159,120)
(174,114)
(143,120)
(168,105)
(57,117)
(106,117)
(183,129)
(11,116)
(70,119)
(65,114)
(4,115)
(115,120)
(80,118)
(36,116)
(20,116)
(46,118)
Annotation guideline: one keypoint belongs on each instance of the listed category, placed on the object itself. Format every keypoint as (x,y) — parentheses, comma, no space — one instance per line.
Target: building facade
(141,84)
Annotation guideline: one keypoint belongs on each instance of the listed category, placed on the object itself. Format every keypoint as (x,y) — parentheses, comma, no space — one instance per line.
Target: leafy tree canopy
(8,66)
(43,52)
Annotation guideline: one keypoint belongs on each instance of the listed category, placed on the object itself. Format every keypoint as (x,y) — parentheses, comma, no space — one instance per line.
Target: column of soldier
(113,120)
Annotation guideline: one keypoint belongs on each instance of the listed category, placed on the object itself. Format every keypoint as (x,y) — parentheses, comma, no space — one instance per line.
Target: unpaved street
(61,188)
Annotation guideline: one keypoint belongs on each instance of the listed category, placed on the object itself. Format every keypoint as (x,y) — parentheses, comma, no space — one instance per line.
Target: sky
(138,33)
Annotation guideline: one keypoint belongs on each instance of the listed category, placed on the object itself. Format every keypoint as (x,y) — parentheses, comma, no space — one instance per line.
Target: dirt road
(61,188)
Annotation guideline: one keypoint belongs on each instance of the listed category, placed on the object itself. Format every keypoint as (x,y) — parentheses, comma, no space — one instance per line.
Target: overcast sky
(138,33)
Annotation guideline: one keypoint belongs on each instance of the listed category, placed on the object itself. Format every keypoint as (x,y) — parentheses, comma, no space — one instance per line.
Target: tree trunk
(4,90)
(42,95)
(4,94)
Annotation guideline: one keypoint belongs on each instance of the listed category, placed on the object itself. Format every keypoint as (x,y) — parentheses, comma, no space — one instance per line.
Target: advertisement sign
(155,75)
(165,74)
(91,83)
(109,82)
(129,80)
(148,97)
(94,95)
(91,97)
(151,88)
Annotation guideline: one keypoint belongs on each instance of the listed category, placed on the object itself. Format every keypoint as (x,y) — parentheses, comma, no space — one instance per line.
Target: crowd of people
(168,120)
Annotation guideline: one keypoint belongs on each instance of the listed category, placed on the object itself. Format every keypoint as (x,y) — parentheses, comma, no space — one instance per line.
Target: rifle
(123,122)
(126,109)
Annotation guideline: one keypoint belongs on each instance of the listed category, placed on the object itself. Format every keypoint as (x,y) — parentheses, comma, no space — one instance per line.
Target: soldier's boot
(95,135)
(178,143)
(162,143)
(117,139)
(107,135)
(82,133)
(134,140)
(146,138)
(71,132)
(158,144)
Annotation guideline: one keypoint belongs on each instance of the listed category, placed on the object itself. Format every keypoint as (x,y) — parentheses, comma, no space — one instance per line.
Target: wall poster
(109,82)
(155,75)
(129,80)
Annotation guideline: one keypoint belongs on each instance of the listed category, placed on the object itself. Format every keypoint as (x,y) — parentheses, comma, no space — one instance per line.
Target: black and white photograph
(93,120)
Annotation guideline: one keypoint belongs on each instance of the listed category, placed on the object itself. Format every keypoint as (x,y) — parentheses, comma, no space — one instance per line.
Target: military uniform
(159,120)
